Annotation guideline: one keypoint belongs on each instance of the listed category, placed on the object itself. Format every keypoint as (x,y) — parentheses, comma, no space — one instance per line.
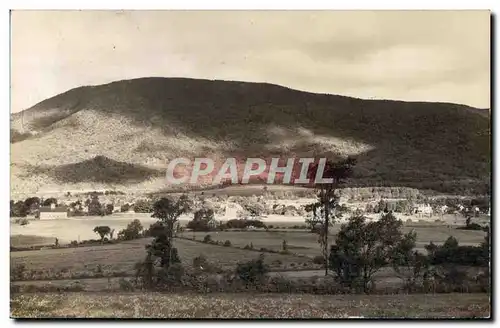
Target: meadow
(305,243)
(121,258)
(156,305)
(87,281)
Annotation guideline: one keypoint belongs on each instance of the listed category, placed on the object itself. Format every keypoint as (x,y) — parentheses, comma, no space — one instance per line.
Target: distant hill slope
(141,123)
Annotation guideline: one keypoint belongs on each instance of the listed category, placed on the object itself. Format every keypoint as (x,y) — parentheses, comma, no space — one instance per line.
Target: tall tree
(202,218)
(314,219)
(168,211)
(95,207)
(363,248)
(32,204)
(20,209)
(335,174)
(409,264)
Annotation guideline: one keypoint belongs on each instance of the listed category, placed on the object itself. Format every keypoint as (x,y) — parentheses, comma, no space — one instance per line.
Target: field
(30,240)
(82,228)
(75,228)
(119,259)
(153,305)
(122,257)
(304,242)
(97,269)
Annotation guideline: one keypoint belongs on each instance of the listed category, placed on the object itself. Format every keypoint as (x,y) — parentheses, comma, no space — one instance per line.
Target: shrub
(472,226)
(318,259)
(74,287)
(199,262)
(133,231)
(15,289)
(17,272)
(284,245)
(202,219)
(253,271)
(242,224)
(207,239)
(155,229)
(143,206)
(452,253)
(125,208)
(102,231)
(23,221)
(126,285)
(227,243)
(247,246)
(171,275)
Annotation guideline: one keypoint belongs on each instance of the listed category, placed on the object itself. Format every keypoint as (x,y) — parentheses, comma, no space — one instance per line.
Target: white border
(148,4)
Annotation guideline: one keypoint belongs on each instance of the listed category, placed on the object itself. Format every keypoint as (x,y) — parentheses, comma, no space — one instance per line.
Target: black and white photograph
(250,164)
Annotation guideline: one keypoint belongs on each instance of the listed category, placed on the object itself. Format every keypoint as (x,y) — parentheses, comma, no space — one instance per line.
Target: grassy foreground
(154,305)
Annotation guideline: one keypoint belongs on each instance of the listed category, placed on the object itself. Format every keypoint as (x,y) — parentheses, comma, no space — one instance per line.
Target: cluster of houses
(63,211)
(231,210)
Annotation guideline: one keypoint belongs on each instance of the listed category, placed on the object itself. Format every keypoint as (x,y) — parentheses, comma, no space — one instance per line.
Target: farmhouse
(213,223)
(52,212)
(423,210)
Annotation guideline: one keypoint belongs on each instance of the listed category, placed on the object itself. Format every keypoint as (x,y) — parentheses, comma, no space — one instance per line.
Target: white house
(52,212)
(213,223)
(423,209)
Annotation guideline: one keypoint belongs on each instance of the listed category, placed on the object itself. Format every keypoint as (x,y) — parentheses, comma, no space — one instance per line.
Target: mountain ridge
(147,121)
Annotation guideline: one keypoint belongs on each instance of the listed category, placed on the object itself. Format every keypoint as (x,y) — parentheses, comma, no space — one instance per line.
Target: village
(271,207)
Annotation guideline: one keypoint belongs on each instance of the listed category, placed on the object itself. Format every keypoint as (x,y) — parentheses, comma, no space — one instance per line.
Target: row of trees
(362,248)
(134,230)
(29,206)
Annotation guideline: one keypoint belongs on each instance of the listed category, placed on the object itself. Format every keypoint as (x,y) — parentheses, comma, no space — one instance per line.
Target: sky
(414,56)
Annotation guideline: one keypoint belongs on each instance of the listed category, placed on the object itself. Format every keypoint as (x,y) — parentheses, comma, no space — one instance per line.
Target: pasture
(44,232)
(77,228)
(121,258)
(306,243)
